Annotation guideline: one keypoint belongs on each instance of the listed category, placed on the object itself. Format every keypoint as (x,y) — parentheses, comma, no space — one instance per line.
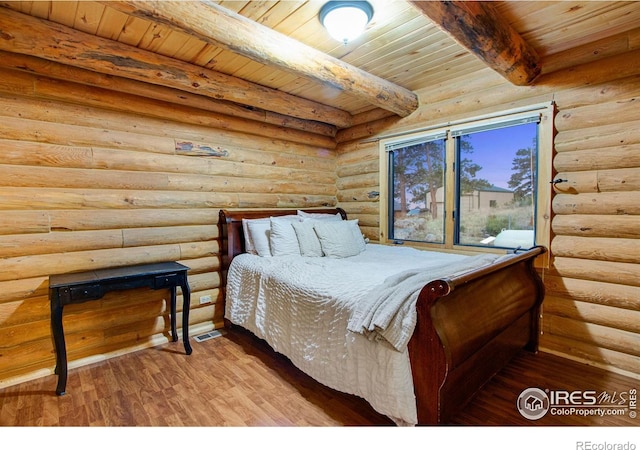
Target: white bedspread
(301,306)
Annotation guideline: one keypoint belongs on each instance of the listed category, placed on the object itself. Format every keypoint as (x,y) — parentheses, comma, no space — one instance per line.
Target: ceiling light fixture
(345,21)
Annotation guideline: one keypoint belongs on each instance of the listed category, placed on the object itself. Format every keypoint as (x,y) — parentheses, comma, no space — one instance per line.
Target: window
(471,184)
(417,179)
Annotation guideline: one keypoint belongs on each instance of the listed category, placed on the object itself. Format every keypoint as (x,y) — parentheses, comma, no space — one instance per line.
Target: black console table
(81,287)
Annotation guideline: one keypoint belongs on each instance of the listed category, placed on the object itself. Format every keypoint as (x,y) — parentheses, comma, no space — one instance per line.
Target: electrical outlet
(205,299)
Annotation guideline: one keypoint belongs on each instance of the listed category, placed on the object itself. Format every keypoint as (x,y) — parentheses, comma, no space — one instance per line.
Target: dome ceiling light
(345,21)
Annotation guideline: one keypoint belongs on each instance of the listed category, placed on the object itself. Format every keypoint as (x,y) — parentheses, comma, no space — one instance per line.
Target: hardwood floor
(237,380)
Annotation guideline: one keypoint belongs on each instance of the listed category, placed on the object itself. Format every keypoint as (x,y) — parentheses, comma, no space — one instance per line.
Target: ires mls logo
(534,403)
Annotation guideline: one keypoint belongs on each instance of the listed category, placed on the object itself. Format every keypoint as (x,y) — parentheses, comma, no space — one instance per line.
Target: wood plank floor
(237,380)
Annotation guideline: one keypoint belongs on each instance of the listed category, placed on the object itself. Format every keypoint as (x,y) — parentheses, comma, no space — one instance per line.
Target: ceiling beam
(27,35)
(220,27)
(479,28)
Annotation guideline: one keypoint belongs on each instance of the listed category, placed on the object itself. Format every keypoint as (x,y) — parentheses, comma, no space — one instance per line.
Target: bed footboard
(468,328)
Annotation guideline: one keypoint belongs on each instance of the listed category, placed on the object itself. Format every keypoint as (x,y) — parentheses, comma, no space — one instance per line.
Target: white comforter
(301,306)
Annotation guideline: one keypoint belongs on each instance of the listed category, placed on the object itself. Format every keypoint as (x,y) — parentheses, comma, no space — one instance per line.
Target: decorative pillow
(258,234)
(319,216)
(249,246)
(307,238)
(283,238)
(261,233)
(340,239)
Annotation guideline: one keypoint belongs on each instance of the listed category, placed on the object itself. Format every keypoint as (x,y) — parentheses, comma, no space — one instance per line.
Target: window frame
(546,113)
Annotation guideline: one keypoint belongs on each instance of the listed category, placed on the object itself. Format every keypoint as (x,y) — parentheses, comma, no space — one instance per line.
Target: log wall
(592,307)
(92,177)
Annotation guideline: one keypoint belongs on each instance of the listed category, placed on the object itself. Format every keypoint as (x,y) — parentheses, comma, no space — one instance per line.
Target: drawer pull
(82,293)
(165,281)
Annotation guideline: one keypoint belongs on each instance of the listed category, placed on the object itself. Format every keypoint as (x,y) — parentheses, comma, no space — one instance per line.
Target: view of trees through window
(495,179)
(418,183)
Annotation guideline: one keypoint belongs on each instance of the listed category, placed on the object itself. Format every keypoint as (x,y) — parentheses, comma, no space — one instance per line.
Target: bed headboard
(231,232)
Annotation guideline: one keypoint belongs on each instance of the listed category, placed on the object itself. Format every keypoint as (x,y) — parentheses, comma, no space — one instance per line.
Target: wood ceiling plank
(173,43)
(299,18)
(393,39)
(305,87)
(439,53)
(133,31)
(608,47)
(207,57)
(63,12)
(566,16)
(573,24)
(88,17)
(595,26)
(111,24)
(41,9)
(233,5)
(399,53)
(279,12)
(155,36)
(229,62)
(447,70)
(281,79)
(23,7)
(255,10)
(190,49)
(253,71)
(217,25)
(532,11)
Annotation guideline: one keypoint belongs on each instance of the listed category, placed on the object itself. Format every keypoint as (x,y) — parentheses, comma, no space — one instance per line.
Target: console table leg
(174,332)
(186,303)
(58,341)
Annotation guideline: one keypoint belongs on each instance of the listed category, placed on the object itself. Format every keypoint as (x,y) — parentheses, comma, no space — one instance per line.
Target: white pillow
(249,246)
(283,238)
(307,238)
(340,239)
(259,232)
(319,216)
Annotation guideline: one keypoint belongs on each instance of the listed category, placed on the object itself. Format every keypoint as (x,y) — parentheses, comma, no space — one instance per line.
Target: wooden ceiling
(402,45)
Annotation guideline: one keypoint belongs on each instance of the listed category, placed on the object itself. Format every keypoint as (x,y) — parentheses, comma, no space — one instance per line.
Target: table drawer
(86,292)
(163,281)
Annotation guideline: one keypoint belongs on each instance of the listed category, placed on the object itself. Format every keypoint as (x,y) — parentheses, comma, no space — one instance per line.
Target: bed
(463,317)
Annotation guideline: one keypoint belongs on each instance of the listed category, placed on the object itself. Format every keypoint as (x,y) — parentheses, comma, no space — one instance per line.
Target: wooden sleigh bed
(468,327)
